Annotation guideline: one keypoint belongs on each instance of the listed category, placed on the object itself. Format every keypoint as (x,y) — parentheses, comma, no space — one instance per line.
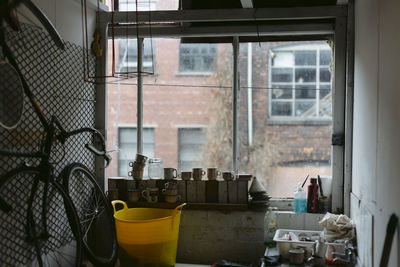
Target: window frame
(120,127)
(199,71)
(293,119)
(334,23)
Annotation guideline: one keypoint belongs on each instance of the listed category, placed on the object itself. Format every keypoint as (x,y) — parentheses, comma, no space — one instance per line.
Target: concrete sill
(199,206)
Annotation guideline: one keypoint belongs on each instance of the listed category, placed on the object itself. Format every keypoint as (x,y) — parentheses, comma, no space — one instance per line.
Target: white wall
(65,16)
(376,147)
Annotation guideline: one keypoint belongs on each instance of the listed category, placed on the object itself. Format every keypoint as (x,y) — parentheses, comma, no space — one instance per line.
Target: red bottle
(312,196)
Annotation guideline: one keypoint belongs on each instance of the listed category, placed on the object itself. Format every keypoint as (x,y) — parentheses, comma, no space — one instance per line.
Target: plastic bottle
(270,227)
(300,200)
(312,196)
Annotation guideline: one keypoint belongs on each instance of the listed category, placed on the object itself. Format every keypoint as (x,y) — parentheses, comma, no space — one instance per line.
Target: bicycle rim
(60,245)
(95,215)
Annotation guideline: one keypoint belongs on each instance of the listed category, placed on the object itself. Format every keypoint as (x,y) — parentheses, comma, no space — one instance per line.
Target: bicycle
(60,213)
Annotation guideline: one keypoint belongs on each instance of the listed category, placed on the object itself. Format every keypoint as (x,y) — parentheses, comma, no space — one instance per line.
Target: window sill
(292,121)
(195,74)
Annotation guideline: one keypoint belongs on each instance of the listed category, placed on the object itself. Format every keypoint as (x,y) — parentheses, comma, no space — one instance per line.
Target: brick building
(190,91)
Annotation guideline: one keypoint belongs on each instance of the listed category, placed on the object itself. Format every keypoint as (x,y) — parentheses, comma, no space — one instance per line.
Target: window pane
(325,57)
(281,75)
(191,144)
(305,75)
(281,108)
(197,57)
(305,108)
(283,59)
(281,91)
(128,146)
(127,55)
(306,91)
(305,58)
(324,91)
(324,75)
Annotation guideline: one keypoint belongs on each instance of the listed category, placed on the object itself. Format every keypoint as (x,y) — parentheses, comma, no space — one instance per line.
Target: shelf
(191,206)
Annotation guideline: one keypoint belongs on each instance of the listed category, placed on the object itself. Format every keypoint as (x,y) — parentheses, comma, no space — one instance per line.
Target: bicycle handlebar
(64,135)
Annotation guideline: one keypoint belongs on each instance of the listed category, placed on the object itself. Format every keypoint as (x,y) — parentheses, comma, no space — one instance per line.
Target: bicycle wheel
(59,245)
(95,214)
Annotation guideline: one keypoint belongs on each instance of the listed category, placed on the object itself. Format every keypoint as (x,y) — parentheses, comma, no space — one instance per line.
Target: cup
(213,173)
(170,192)
(170,173)
(228,175)
(141,159)
(133,195)
(198,174)
(171,185)
(172,198)
(150,194)
(136,174)
(186,175)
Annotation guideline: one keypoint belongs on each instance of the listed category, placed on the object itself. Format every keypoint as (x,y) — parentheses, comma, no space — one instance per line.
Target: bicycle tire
(60,245)
(95,214)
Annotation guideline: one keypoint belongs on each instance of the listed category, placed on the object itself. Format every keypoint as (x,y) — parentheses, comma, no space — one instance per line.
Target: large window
(300,79)
(127,55)
(191,145)
(197,57)
(127,147)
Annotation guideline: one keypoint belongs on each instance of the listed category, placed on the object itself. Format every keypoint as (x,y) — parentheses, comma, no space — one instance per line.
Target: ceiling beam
(247,3)
(223,31)
(221,15)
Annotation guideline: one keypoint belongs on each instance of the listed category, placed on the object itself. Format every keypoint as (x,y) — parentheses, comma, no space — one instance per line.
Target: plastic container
(300,200)
(270,227)
(284,245)
(149,236)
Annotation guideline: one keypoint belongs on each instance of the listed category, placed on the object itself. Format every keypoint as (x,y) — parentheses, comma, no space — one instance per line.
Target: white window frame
(335,27)
(294,48)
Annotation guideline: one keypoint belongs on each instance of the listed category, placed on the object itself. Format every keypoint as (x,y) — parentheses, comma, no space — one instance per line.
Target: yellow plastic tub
(148,236)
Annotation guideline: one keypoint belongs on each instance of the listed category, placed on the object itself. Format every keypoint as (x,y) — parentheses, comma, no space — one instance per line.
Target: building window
(191,143)
(197,57)
(128,144)
(127,55)
(300,81)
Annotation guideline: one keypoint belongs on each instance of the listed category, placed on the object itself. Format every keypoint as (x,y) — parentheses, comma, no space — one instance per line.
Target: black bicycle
(64,215)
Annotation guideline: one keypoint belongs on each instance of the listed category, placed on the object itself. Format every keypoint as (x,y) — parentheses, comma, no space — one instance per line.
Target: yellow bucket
(148,236)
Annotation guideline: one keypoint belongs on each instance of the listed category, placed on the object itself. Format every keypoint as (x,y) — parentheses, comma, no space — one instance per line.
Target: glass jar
(155,168)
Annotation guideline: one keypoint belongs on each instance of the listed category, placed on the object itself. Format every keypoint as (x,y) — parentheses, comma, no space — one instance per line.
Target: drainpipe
(139,113)
(235,105)
(250,92)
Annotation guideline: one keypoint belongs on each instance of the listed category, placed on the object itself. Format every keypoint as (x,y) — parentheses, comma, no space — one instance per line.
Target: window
(197,57)
(127,146)
(191,144)
(300,80)
(127,55)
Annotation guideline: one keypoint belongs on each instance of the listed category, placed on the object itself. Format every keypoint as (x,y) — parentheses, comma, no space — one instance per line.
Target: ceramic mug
(228,175)
(172,198)
(170,173)
(133,195)
(186,175)
(136,174)
(171,185)
(213,173)
(170,192)
(151,194)
(140,159)
(198,173)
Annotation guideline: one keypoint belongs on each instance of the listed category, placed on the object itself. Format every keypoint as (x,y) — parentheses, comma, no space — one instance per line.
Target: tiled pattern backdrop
(56,79)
